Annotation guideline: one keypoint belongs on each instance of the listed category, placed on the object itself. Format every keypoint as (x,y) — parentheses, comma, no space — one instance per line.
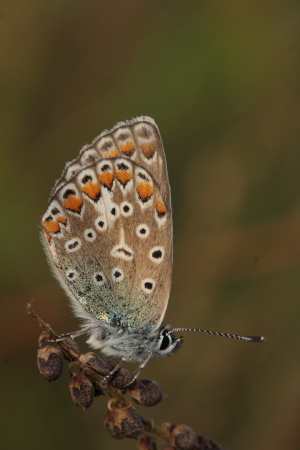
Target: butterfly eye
(166,342)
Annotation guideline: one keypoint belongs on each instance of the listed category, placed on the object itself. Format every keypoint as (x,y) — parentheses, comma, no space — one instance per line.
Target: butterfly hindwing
(108,227)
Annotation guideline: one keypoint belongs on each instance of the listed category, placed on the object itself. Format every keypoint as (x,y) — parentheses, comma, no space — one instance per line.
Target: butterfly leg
(105,380)
(74,334)
(140,368)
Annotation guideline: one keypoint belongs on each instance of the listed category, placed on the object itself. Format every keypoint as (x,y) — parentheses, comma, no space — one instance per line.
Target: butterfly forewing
(108,227)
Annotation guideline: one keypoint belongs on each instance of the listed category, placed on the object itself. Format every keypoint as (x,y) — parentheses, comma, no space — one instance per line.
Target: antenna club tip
(258,339)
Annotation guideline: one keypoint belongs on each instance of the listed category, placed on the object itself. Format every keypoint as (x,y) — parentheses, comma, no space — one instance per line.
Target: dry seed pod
(120,379)
(147,443)
(50,362)
(207,444)
(146,393)
(123,422)
(82,390)
(96,362)
(97,387)
(183,437)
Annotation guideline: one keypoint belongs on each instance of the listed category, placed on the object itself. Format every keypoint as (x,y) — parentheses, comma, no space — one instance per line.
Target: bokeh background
(221,80)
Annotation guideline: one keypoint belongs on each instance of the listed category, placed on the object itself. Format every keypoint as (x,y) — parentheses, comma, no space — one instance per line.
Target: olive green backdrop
(221,79)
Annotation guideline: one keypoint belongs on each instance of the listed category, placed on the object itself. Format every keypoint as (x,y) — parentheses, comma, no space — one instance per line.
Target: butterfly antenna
(219,333)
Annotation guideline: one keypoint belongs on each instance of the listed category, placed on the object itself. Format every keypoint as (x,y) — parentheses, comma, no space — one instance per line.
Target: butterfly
(108,236)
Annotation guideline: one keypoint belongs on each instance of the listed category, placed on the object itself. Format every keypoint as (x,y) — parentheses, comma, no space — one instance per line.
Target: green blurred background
(221,79)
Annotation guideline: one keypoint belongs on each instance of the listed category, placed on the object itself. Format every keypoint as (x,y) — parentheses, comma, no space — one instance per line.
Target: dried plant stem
(87,375)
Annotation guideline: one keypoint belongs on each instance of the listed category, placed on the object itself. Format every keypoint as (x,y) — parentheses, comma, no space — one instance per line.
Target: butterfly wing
(108,228)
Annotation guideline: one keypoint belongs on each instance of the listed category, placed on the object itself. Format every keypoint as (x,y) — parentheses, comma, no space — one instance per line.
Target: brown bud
(123,422)
(44,338)
(120,379)
(82,390)
(50,362)
(146,393)
(207,444)
(183,437)
(97,387)
(147,443)
(97,363)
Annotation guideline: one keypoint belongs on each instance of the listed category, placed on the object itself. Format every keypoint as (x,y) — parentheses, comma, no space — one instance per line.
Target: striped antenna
(219,333)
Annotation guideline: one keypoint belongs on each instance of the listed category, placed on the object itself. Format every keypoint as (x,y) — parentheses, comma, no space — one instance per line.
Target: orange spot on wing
(128,148)
(73,203)
(160,207)
(92,190)
(51,226)
(145,191)
(48,237)
(107,178)
(123,176)
(148,148)
(112,153)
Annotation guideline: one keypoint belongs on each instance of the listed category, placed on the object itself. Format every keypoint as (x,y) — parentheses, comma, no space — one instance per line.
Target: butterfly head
(166,343)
